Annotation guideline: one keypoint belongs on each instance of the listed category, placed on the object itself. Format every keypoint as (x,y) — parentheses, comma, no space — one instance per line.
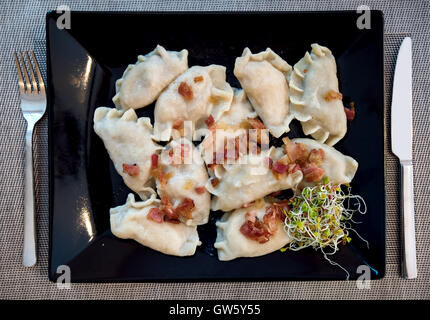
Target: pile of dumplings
(179,183)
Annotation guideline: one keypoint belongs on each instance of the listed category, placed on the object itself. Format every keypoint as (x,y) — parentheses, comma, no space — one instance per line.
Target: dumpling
(251,178)
(196,95)
(250,232)
(315,98)
(232,125)
(339,168)
(129,144)
(138,221)
(143,81)
(240,110)
(263,76)
(181,177)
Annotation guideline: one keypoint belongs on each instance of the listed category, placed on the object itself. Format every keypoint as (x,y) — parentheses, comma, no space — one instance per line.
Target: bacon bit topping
(200,190)
(215,182)
(280,206)
(158,172)
(293,168)
(154,161)
(178,124)
(308,162)
(155,215)
(210,121)
(260,230)
(269,219)
(256,123)
(198,79)
(185,91)
(255,231)
(168,210)
(131,169)
(280,167)
(350,113)
(316,157)
(185,208)
(297,152)
(332,95)
(313,173)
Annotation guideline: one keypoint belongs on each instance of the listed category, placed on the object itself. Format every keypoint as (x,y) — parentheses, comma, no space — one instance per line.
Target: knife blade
(401,144)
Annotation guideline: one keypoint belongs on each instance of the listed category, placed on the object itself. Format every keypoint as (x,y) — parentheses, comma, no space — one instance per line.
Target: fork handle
(409,258)
(29,252)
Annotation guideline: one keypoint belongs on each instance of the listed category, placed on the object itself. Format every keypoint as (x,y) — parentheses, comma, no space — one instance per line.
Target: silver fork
(33,105)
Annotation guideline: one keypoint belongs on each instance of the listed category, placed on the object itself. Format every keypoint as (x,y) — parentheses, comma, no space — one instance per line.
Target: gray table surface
(22,26)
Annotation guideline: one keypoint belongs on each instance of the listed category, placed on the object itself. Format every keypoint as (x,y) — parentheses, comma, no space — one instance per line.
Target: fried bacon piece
(178,124)
(316,157)
(261,230)
(279,167)
(131,169)
(200,190)
(255,230)
(154,161)
(198,79)
(155,215)
(332,95)
(158,172)
(185,91)
(166,212)
(308,162)
(210,121)
(297,152)
(313,173)
(185,208)
(214,182)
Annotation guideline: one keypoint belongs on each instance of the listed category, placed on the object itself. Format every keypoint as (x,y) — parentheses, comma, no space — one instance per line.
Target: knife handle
(409,257)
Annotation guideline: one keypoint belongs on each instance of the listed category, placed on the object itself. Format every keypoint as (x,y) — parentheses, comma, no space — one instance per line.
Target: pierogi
(130,221)
(128,142)
(189,101)
(339,168)
(232,241)
(143,81)
(263,77)
(315,98)
(183,181)
(234,185)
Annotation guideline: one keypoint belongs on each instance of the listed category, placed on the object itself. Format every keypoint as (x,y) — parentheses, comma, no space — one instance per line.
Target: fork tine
(39,74)
(33,79)
(24,67)
(20,80)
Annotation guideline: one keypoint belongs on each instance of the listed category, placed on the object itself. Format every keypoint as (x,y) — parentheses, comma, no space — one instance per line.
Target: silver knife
(401,144)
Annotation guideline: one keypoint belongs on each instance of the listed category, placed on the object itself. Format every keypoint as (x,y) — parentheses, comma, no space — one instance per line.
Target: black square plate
(83,65)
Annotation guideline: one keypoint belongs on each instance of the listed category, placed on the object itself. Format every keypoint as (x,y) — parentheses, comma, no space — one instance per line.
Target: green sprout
(320,217)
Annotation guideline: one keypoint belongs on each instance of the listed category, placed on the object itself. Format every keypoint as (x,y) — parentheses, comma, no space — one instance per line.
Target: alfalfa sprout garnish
(320,217)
